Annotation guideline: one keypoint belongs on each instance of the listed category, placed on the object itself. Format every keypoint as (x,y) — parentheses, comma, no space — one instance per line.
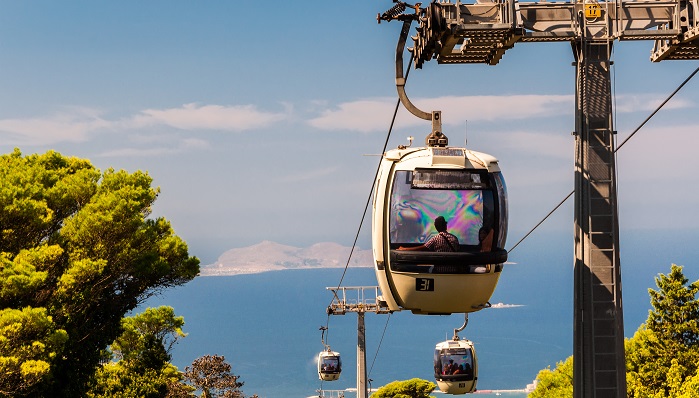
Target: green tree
(29,343)
(413,388)
(556,383)
(688,389)
(118,380)
(79,245)
(212,375)
(142,352)
(664,352)
(148,335)
(662,358)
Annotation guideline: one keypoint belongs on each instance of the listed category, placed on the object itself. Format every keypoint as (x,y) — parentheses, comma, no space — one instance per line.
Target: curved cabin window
(465,198)
(453,364)
(502,208)
(330,364)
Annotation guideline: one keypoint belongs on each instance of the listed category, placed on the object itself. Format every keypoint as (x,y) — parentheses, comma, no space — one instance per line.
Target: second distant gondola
(329,365)
(456,367)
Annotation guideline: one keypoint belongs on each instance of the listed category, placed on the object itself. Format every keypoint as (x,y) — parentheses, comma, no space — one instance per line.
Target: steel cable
(615,151)
(366,207)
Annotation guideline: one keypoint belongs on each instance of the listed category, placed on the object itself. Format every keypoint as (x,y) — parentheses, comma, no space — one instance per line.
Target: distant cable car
(329,365)
(415,186)
(329,362)
(456,365)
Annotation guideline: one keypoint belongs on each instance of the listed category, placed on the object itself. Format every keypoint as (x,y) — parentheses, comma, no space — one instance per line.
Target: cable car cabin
(456,366)
(329,365)
(414,186)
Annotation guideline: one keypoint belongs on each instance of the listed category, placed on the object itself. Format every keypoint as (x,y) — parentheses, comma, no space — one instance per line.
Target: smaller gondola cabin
(329,365)
(456,366)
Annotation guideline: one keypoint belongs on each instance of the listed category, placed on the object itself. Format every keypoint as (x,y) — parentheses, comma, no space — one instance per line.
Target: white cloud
(363,116)
(208,117)
(76,124)
(660,154)
(456,110)
(73,125)
(375,114)
(369,115)
(647,102)
(185,145)
(555,145)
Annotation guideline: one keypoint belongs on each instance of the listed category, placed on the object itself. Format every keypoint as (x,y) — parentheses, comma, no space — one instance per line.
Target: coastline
(215,270)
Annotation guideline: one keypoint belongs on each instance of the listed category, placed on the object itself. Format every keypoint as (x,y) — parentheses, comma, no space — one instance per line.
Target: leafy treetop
(662,358)
(77,252)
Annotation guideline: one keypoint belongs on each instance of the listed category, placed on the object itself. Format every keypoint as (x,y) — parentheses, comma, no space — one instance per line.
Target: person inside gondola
(330,365)
(468,370)
(448,368)
(485,239)
(442,242)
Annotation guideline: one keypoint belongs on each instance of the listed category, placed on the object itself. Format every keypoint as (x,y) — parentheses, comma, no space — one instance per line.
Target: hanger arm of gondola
(436,137)
(460,329)
(400,79)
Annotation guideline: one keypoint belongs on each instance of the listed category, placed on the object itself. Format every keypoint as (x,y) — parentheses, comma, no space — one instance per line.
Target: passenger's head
(440,224)
(482,233)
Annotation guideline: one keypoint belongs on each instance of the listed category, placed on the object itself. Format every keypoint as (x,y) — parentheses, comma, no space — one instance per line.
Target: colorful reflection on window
(413,211)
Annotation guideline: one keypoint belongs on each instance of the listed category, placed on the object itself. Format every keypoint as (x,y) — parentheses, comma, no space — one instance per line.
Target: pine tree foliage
(78,250)
(142,352)
(664,352)
(413,388)
(29,343)
(116,380)
(662,358)
(159,327)
(556,383)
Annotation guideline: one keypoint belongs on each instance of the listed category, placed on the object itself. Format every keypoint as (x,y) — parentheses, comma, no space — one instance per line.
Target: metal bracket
(436,137)
(456,331)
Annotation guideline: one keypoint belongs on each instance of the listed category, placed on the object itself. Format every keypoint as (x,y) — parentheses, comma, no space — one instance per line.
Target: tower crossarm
(483,31)
(357,299)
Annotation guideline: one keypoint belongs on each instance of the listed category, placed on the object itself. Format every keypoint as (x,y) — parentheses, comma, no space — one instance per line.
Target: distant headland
(270,256)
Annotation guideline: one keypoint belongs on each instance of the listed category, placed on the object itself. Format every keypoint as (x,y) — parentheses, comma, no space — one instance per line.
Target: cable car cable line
(366,205)
(378,167)
(541,222)
(325,328)
(456,188)
(658,108)
(691,75)
(379,346)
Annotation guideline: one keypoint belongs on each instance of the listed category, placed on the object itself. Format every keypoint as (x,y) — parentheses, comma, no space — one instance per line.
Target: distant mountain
(270,256)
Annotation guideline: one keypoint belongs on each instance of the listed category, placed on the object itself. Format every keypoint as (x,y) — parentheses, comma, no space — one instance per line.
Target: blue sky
(258,119)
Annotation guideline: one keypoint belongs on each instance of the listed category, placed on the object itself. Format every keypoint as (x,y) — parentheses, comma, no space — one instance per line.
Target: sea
(267,325)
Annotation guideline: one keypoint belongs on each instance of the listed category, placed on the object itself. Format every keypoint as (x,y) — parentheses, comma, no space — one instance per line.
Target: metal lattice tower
(359,299)
(598,355)
(482,32)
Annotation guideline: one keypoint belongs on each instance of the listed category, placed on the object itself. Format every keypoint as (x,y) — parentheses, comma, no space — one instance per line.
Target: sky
(264,120)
